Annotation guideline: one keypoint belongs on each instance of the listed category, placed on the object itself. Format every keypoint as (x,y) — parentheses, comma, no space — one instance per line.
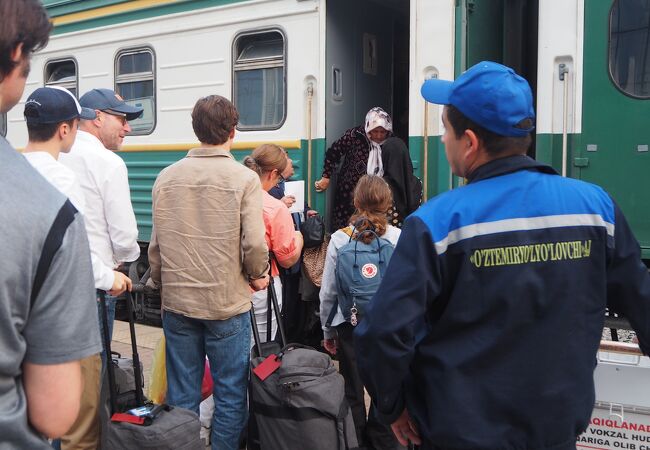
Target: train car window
(3,124)
(260,88)
(63,73)
(135,82)
(629,51)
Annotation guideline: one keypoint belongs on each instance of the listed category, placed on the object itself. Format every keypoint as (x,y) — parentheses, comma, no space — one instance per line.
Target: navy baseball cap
(107,100)
(490,94)
(54,104)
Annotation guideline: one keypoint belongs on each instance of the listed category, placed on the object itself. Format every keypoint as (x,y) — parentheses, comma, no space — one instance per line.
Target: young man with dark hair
(485,329)
(207,251)
(52,115)
(46,321)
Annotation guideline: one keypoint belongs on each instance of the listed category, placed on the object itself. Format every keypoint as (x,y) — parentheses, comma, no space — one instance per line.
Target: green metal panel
(549,151)
(121,17)
(318,199)
(438,172)
(144,167)
(614,125)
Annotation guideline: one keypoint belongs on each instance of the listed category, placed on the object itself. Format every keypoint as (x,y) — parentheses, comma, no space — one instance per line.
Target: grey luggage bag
(301,405)
(164,427)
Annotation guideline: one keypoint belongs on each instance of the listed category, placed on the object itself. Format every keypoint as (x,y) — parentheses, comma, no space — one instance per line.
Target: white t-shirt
(59,176)
(110,221)
(66,182)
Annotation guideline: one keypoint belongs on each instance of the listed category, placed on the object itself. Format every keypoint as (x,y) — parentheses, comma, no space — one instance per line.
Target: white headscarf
(375,118)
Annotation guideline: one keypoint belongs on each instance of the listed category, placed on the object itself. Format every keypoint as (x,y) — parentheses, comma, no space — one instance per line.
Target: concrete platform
(146,338)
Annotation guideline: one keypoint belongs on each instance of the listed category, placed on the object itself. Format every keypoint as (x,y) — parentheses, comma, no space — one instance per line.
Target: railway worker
(46,321)
(485,329)
(207,251)
(111,226)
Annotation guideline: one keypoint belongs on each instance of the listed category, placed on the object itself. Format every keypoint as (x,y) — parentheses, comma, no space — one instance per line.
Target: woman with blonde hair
(269,161)
(372,200)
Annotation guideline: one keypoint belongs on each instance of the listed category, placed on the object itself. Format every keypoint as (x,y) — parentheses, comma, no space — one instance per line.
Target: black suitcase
(163,427)
(302,404)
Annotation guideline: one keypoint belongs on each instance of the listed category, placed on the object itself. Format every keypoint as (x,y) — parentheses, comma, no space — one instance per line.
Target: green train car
(302,71)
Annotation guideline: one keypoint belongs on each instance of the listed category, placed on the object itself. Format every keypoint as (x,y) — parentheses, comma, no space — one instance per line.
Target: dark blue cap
(107,100)
(490,94)
(54,104)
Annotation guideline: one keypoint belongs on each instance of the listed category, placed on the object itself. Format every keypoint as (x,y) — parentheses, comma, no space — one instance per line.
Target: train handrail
(310,97)
(620,347)
(564,77)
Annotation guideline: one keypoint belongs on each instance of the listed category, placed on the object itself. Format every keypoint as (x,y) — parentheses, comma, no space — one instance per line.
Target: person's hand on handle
(260,283)
(121,283)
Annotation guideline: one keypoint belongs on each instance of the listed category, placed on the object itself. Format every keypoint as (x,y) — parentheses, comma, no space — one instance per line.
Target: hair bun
(250,162)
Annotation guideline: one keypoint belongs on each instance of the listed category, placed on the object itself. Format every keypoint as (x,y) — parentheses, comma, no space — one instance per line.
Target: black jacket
(398,173)
(488,320)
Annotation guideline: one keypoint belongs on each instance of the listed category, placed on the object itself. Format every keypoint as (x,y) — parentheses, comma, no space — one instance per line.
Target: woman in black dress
(361,149)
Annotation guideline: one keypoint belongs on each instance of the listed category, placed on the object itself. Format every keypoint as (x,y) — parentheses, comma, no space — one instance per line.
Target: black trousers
(372,434)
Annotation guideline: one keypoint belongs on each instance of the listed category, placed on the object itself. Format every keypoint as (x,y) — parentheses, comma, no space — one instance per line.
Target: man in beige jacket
(207,251)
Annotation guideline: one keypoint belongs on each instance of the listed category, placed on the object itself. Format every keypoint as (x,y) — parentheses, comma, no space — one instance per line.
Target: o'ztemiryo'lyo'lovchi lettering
(530,253)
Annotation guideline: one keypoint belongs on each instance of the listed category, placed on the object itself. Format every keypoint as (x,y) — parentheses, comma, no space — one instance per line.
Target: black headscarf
(398,173)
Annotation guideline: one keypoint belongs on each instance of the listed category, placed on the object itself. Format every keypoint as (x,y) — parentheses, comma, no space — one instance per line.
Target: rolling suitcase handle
(107,350)
(139,396)
(272,302)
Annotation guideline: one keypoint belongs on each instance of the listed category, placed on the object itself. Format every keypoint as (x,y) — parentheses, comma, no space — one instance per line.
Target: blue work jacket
(488,320)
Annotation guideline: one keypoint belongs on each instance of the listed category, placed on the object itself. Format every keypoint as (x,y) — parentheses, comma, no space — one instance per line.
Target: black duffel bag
(313,231)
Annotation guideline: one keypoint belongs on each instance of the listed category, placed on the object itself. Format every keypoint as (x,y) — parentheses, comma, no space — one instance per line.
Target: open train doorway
(367,64)
(504,31)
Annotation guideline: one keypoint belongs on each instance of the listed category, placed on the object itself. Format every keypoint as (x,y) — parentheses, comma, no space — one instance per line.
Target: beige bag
(313,261)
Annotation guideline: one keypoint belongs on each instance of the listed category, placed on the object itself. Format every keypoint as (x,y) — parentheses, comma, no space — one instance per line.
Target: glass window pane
(629,52)
(261,49)
(135,82)
(135,63)
(140,94)
(62,73)
(3,124)
(260,97)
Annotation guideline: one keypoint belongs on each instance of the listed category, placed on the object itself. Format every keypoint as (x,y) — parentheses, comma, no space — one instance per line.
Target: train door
(504,31)
(367,64)
(613,150)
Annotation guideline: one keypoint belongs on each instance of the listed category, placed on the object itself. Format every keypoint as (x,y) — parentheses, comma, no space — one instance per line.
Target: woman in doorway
(360,149)
(269,161)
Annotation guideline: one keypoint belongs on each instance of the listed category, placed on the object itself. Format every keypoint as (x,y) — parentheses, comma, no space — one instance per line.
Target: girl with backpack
(372,201)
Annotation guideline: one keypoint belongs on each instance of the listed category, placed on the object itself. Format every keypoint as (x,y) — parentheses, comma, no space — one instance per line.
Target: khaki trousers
(84,434)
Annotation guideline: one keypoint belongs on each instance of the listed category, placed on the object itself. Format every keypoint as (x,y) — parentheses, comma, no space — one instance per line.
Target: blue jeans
(110,307)
(227,345)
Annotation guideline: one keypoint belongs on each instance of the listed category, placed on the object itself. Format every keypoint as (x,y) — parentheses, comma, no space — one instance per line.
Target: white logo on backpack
(369,270)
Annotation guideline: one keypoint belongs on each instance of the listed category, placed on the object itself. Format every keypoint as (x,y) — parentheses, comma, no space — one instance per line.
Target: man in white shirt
(103,177)
(108,214)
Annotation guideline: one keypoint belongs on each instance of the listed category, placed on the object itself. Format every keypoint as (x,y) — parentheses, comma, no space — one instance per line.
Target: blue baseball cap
(108,100)
(490,94)
(54,104)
